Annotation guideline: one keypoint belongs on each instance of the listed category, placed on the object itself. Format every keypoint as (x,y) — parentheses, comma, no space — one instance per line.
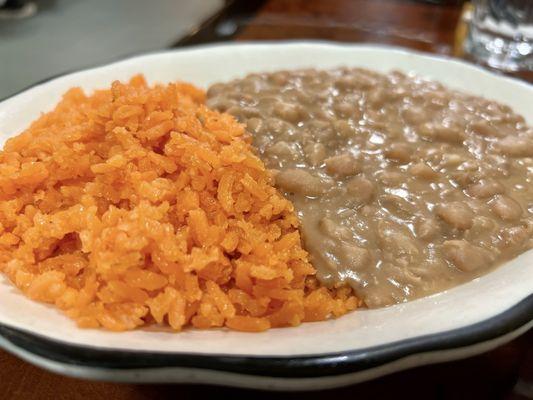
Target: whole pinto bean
(284,150)
(423,171)
(485,188)
(465,255)
(343,128)
(456,214)
(288,112)
(315,153)
(426,228)
(414,115)
(361,189)
(295,180)
(355,257)
(506,208)
(342,165)
(393,238)
(345,109)
(515,146)
(514,236)
(333,229)
(484,128)
(399,152)
(441,133)
(398,206)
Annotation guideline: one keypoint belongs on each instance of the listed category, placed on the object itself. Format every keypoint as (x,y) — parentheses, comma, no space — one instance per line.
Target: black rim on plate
(282,367)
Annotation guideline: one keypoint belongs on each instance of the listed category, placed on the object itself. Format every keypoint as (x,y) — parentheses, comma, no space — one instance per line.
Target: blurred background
(40,39)
(44,38)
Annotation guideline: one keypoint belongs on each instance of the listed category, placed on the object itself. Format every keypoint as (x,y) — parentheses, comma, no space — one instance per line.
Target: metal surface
(70,34)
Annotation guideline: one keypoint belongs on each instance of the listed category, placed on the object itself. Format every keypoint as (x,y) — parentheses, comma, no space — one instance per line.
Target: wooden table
(505,373)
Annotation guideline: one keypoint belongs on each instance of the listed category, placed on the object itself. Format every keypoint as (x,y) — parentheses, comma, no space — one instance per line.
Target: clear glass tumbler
(501,34)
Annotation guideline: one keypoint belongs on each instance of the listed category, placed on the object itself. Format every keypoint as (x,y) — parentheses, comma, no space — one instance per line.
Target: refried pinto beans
(404,187)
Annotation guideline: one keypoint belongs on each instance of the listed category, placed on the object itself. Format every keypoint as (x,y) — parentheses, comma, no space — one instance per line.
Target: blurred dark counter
(424,25)
(419,25)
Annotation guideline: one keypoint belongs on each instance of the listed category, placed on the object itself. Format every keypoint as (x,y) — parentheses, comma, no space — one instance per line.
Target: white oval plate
(460,322)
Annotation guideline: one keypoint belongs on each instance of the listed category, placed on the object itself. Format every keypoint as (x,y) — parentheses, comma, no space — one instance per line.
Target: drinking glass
(501,34)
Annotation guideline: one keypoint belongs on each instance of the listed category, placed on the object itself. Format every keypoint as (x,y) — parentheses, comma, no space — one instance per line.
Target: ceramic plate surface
(463,321)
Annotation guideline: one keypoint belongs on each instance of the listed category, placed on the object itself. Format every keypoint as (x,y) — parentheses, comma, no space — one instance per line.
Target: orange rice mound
(138,205)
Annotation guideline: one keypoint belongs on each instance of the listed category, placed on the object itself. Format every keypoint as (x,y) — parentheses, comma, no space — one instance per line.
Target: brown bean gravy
(404,187)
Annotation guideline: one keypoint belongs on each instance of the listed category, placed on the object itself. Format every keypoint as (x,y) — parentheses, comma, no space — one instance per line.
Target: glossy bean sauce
(404,188)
